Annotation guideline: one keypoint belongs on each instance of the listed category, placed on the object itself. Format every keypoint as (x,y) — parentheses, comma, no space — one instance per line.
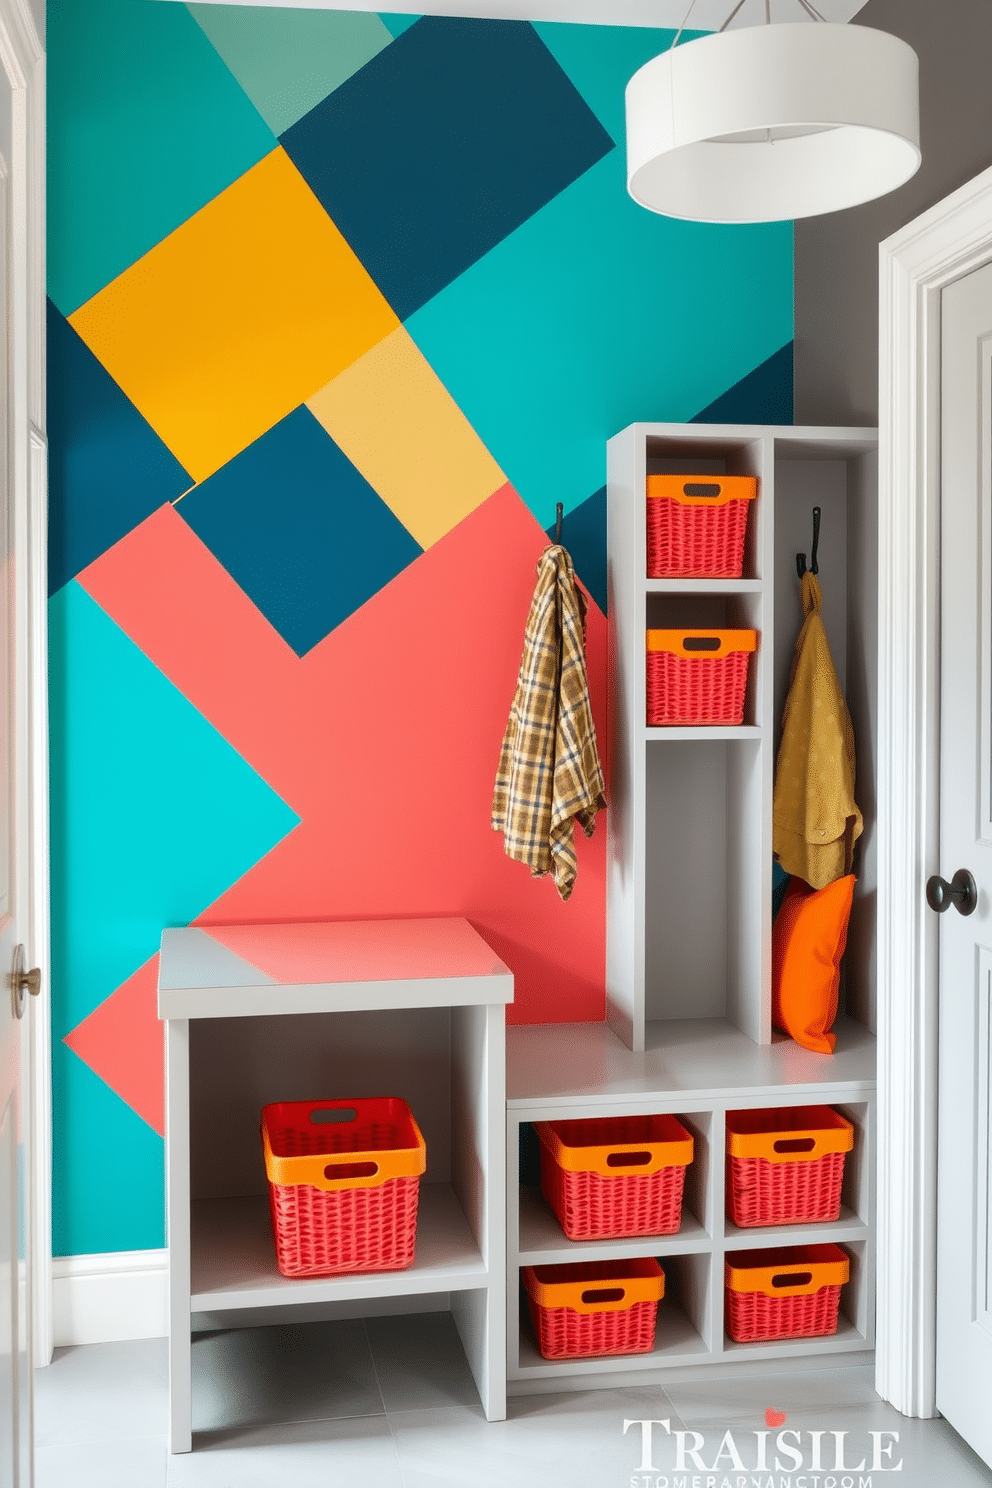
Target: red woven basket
(615,1176)
(786,1165)
(696,525)
(344,1184)
(698,676)
(792,1293)
(594,1307)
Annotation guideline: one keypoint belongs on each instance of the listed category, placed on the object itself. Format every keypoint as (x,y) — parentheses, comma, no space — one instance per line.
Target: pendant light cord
(810,10)
(685,21)
(737,7)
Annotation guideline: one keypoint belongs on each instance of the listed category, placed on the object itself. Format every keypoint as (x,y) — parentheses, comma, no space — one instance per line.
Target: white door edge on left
(22,69)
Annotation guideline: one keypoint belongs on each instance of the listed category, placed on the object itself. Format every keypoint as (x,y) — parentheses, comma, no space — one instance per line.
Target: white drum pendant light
(773,122)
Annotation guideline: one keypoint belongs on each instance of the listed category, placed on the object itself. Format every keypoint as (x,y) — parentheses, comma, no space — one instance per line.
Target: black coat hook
(814,567)
(559,510)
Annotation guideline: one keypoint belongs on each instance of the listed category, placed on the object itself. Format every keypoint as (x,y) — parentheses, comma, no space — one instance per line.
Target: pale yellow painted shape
(397,423)
(234,319)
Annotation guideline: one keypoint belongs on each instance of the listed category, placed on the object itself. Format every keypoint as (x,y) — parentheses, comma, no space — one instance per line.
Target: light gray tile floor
(390,1403)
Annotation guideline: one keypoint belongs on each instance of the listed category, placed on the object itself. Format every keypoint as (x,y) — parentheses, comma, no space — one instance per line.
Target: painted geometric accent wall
(340,306)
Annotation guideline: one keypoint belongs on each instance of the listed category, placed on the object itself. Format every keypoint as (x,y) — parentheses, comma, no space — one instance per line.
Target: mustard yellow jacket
(815,820)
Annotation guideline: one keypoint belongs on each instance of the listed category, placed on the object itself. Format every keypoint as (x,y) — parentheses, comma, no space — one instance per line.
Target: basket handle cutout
(699,488)
(604,1294)
(333,1115)
(701,643)
(795,1144)
(628,1159)
(792,1278)
(351,1170)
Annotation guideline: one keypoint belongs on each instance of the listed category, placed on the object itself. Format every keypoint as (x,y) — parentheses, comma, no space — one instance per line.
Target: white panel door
(964,1254)
(15,1377)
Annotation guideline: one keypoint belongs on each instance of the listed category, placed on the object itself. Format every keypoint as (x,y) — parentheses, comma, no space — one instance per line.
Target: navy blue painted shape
(764,396)
(441,146)
(780,882)
(107,468)
(583,533)
(301,531)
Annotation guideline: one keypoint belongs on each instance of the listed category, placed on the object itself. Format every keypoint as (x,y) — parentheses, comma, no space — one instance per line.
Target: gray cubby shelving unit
(689,888)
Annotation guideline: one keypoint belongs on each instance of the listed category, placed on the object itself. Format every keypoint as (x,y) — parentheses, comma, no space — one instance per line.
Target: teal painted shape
(593,314)
(145,126)
(288,60)
(153,814)
(397,24)
(109,1190)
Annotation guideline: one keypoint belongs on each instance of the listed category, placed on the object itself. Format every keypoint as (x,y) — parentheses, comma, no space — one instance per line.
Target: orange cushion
(808,941)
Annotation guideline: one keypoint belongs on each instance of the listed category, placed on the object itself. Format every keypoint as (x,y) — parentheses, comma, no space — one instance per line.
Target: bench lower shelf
(233,1260)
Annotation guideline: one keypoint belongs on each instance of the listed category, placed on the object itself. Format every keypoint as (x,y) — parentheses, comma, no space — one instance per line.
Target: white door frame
(24,61)
(943,244)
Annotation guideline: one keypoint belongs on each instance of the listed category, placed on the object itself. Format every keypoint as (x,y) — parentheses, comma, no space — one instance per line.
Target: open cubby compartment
(684,1330)
(439,1060)
(857,1196)
(667,610)
(839,474)
(707,872)
(674,455)
(237,1065)
(856,1318)
(541,1240)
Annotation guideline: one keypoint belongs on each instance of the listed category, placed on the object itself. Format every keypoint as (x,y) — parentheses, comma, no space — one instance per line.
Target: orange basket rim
(826,1265)
(829,1137)
(665,487)
(675,1151)
(408,1161)
(649,1286)
(674,641)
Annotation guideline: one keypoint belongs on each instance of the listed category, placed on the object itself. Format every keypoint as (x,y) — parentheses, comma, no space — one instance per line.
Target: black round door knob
(962,892)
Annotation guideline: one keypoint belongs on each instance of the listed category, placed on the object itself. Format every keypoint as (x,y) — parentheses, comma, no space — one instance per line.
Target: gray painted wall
(836,370)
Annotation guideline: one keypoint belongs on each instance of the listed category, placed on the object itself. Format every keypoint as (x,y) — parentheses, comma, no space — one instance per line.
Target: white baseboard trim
(109,1298)
(124,1295)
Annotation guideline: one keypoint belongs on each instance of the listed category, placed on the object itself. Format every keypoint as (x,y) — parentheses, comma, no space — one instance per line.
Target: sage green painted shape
(288,60)
(145,126)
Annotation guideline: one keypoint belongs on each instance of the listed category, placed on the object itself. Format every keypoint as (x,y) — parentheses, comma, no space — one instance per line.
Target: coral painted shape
(384,739)
(122,1042)
(359,950)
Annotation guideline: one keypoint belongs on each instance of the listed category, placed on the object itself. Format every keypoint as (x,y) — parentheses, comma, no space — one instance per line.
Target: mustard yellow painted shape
(398,424)
(234,319)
